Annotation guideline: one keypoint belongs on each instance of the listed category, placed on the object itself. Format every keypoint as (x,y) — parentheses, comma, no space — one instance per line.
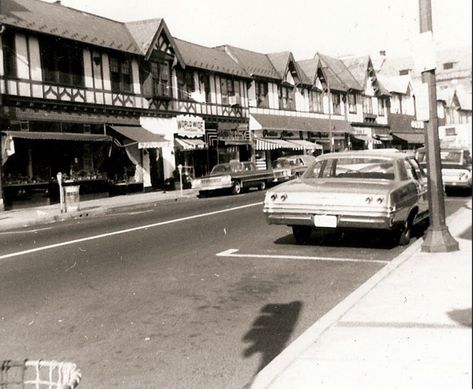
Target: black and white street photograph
(235,195)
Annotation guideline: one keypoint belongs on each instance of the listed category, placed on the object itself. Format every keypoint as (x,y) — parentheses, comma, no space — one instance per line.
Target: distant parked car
(455,164)
(291,166)
(233,177)
(358,189)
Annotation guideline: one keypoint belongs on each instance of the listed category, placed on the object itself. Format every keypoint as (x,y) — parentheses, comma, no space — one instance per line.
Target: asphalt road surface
(192,294)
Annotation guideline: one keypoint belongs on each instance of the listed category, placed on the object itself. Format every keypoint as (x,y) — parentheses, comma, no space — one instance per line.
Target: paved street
(201,293)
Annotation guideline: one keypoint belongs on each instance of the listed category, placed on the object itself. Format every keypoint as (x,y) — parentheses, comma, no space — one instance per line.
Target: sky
(304,27)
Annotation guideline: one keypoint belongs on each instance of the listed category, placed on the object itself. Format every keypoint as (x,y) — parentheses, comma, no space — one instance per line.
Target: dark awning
(68,136)
(410,137)
(145,139)
(295,123)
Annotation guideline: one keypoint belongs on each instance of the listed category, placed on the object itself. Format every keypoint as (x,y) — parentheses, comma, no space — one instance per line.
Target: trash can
(72,198)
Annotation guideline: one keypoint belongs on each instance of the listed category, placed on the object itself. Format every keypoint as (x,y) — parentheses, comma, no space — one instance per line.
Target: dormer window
(161,79)
(261,89)
(286,97)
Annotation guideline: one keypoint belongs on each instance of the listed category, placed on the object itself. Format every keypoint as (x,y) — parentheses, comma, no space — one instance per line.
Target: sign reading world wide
(188,125)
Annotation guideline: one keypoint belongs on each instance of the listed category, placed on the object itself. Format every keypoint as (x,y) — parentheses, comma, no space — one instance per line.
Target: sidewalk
(17,218)
(409,326)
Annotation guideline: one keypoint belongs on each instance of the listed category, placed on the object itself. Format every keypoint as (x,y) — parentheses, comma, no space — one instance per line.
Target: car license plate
(325,221)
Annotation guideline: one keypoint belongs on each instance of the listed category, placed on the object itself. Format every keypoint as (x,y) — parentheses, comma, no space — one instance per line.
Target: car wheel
(301,234)
(236,187)
(405,233)
(262,186)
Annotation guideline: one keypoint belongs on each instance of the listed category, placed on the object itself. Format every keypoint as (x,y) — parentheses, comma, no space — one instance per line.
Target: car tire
(301,234)
(236,188)
(405,233)
(262,186)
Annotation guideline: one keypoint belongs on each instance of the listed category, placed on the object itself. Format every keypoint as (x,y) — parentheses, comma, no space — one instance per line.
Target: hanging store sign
(192,126)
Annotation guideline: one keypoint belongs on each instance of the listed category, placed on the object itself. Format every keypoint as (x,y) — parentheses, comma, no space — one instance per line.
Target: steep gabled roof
(396,84)
(464,100)
(337,74)
(209,58)
(147,35)
(281,62)
(359,67)
(143,32)
(310,68)
(255,64)
(69,23)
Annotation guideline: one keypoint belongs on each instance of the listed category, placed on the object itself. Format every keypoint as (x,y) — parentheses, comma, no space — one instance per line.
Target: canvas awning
(366,138)
(144,138)
(66,136)
(190,144)
(273,144)
(305,144)
(296,123)
(412,138)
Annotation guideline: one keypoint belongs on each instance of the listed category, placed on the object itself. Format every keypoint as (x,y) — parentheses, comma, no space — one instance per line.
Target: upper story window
(185,84)
(208,92)
(315,101)
(61,62)
(286,98)
(381,106)
(161,79)
(367,105)
(336,103)
(9,55)
(448,65)
(352,103)
(120,74)
(227,89)
(262,100)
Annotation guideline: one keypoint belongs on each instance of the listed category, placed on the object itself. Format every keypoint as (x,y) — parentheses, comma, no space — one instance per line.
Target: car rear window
(356,168)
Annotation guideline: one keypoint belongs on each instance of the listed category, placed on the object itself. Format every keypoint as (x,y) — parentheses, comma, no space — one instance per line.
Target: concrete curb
(278,365)
(91,211)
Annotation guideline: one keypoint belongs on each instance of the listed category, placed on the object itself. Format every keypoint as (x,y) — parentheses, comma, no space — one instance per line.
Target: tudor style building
(104,102)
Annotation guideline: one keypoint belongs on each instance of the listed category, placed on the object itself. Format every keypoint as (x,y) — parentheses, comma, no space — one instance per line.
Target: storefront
(32,159)
(276,135)
(137,158)
(185,145)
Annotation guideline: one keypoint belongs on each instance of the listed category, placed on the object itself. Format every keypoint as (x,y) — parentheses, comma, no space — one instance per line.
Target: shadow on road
(271,331)
(372,239)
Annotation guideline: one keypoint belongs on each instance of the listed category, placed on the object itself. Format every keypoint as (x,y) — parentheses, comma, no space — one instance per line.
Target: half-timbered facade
(371,124)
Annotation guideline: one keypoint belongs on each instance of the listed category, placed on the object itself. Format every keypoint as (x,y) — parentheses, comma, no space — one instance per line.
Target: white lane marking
(232,253)
(67,243)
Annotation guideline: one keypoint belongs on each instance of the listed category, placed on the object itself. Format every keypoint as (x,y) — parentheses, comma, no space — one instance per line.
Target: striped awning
(305,144)
(366,138)
(190,144)
(274,144)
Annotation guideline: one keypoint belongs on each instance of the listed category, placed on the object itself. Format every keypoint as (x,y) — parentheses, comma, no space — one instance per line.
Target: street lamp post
(438,238)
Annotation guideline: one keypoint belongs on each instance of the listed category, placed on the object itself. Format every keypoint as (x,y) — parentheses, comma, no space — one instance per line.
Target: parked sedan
(455,164)
(291,166)
(232,177)
(358,189)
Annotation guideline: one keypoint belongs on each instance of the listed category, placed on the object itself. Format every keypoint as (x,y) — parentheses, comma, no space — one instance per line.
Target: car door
(420,178)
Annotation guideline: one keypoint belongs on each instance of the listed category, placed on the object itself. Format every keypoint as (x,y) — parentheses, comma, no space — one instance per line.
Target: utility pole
(438,238)
(329,95)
